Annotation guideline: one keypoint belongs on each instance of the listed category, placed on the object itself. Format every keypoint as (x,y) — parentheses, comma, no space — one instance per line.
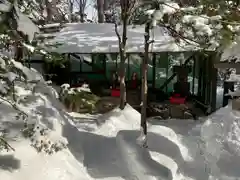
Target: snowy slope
(104,146)
(177,149)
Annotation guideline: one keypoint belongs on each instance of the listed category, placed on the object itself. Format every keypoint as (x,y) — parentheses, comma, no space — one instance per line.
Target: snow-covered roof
(101,38)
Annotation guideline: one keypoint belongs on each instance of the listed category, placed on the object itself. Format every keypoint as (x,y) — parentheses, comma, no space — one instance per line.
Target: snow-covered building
(92,50)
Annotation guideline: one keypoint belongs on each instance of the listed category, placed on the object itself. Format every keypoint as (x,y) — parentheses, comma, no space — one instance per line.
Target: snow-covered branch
(198,25)
(6,144)
(13,105)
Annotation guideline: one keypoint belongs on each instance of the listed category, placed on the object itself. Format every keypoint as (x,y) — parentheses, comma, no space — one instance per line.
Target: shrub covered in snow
(205,25)
(34,104)
(78,99)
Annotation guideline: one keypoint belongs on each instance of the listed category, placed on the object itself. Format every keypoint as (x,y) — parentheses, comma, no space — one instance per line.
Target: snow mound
(34,109)
(27,164)
(110,123)
(116,120)
(220,136)
(118,154)
(104,146)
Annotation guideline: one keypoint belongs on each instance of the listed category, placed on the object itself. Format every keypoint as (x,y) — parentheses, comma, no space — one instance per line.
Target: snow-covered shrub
(78,99)
(23,90)
(204,25)
(36,104)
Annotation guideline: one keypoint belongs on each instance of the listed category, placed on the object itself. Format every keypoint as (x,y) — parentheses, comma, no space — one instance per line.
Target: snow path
(118,155)
(104,147)
(100,153)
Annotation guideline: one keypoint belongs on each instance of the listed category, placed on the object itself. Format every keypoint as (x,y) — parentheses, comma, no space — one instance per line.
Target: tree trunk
(100,9)
(144,81)
(18,51)
(82,6)
(123,58)
(82,18)
(70,11)
(106,5)
(49,11)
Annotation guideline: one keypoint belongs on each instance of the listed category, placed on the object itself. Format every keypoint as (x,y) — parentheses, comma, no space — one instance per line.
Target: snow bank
(220,134)
(118,155)
(105,147)
(178,150)
(27,164)
(37,109)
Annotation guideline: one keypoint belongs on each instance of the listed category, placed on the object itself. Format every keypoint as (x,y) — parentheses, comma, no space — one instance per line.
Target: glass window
(98,62)
(87,65)
(75,64)
(195,74)
(220,90)
(161,69)
(111,64)
(135,61)
(177,59)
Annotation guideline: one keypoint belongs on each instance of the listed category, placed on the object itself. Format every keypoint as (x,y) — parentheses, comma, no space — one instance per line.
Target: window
(86,63)
(75,64)
(111,64)
(161,69)
(135,61)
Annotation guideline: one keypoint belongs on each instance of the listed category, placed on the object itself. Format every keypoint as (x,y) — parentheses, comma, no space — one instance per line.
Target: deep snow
(104,146)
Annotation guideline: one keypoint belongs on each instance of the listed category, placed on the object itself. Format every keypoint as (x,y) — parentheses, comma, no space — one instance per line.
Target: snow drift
(177,149)
(104,146)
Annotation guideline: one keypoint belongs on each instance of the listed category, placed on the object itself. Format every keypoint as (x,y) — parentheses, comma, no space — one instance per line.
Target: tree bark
(70,11)
(82,7)
(100,9)
(144,79)
(123,58)
(49,10)
(18,50)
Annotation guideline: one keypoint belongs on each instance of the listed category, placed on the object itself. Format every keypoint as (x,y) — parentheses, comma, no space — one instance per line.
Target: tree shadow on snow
(99,154)
(12,129)
(229,163)
(178,126)
(102,156)
(86,123)
(105,157)
(9,163)
(139,161)
(112,114)
(194,168)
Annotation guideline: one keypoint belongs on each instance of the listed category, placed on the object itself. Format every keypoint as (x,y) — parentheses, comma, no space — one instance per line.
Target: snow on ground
(104,146)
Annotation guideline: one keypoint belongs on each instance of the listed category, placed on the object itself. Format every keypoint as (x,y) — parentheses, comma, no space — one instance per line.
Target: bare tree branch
(14,106)
(205,17)
(174,32)
(118,35)
(7,144)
